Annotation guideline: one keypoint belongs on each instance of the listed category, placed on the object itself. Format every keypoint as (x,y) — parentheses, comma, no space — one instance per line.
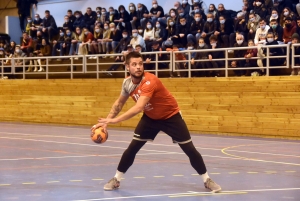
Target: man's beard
(137,77)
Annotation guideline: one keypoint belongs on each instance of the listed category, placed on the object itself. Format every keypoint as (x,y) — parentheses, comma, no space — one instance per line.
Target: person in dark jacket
(133,16)
(113,15)
(277,30)
(90,19)
(240,42)
(260,9)
(72,18)
(124,19)
(160,33)
(210,27)
(295,40)
(196,28)
(24,11)
(79,22)
(183,31)
(215,55)
(240,27)
(142,14)
(49,27)
(224,29)
(67,24)
(199,56)
(37,22)
(274,51)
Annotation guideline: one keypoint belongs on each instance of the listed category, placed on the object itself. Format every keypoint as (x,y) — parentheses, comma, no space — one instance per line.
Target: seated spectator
(181,14)
(173,15)
(87,39)
(288,30)
(98,35)
(224,29)
(76,41)
(124,19)
(177,5)
(142,14)
(113,15)
(196,28)
(124,42)
(104,17)
(133,16)
(261,32)
(79,21)
(287,13)
(273,52)
(210,27)
(27,45)
(186,9)
(11,49)
(37,22)
(215,55)
(137,39)
(178,57)
(66,45)
(141,31)
(239,54)
(260,9)
(43,52)
(29,25)
(240,27)
(18,56)
(160,33)
(57,44)
(67,24)
(72,18)
(248,56)
(3,62)
(37,42)
(253,25)
(90,19)
(171,34)
(148,35)
(277,30)
(115,37)
(212,10)
(295,40)
(197,9)
(182,31)
(49,27)
(156,14)
(201,55)
(274,16)
(152,57)
(298,26)
(104,43)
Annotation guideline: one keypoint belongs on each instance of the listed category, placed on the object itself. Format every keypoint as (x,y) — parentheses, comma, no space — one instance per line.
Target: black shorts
(175,127)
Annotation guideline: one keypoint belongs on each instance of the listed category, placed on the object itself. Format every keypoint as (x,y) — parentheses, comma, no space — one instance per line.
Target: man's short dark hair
(273,20)
(70,11)
(132,55)
(47,11)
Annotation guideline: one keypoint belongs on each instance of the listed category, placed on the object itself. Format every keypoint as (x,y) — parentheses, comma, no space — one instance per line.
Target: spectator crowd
(187,26)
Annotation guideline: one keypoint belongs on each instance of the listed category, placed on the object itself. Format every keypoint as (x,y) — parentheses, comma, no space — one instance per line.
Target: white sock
(119,175)
(205,177)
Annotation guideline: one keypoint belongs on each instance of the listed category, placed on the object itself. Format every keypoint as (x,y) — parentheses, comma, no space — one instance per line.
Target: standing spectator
(24,10)
(196,28)
(253,25)
(137,39)
(90,19)
(79,21)
(223,31)
(239,54)
(37,22)
(277,30)
(142,14)
(288,30)
(49,26)
(133,16)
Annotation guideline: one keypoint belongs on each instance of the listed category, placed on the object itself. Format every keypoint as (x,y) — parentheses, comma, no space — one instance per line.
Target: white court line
(155,144)
(193,193)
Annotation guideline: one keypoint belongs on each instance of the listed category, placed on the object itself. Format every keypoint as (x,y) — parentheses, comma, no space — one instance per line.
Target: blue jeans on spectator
(114,45)
(72,48)
(192,38)
(64,50)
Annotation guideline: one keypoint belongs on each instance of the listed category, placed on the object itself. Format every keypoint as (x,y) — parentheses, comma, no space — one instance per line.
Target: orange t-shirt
(162,105)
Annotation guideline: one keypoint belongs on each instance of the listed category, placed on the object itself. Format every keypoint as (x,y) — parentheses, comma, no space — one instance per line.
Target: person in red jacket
(288,30)
(26,46)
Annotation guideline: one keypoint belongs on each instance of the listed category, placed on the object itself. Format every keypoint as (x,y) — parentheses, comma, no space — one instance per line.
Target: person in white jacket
(261,32)
(149,35)
(137,39)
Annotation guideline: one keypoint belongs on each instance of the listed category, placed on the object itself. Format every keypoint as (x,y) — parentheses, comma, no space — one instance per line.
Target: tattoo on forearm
(115,109)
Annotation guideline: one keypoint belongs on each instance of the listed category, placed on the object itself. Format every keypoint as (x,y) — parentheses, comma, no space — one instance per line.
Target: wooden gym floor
(53,163)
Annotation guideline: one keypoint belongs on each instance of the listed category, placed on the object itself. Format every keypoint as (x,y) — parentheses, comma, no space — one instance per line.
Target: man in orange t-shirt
(161,113)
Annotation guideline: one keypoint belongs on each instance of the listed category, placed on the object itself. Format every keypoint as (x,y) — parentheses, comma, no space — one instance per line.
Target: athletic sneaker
(113,184)
(211,185)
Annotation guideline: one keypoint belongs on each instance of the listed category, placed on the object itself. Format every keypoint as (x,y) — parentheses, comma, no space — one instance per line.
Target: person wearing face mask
(103,17)
(210,27)
(124,19)
(281,4)
(152,57)
(115,37)
(29,24)
(65,46)
(171,33)
(18,55)
(56,44)
(133,16)
(212,10)
(67,24)
(200,55)
(142,14)
(98,35)
(213,40)
(160,33)
(288,30)
(137,39)
(24,10)
(79,22)
(253,25)
(148,35)
(285,14)
(72,18)
(273,52)
(222,11)
(277,30)
(197,9)
(113,15)
(224,29)
(274,15)
(189,19)
(90,19)
(37,22)
(260,9)
(261,32)
(156,13)
(87,38)
(196,28)
(76,41)
(49,27)
(186,8)
(240,42)
(240,27)
(183,31)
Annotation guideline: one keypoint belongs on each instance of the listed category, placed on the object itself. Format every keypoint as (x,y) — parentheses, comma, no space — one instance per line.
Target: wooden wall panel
(259,106)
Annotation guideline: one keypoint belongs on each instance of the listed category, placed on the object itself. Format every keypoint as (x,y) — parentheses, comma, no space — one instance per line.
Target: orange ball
(99,136)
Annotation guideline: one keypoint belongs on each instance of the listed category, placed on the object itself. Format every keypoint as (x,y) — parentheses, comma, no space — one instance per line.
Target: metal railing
(93,64)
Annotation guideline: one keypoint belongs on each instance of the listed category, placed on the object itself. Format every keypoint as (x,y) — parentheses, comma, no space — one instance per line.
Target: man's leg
(124,164)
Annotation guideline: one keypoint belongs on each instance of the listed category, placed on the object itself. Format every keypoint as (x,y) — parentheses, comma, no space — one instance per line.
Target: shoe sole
(110,189)
(216,191)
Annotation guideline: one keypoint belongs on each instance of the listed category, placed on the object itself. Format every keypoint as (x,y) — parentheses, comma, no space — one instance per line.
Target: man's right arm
(117,106)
